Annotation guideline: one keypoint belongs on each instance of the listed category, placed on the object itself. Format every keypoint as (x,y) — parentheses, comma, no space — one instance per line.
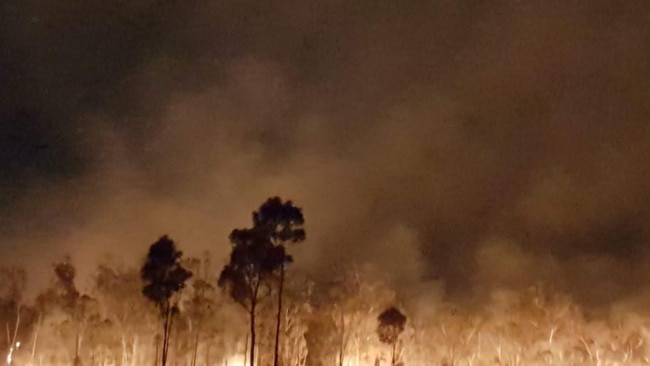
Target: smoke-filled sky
(475,143)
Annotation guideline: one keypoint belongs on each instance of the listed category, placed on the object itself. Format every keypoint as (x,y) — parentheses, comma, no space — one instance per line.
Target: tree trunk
(77,360)
(167,330)
(163,351)
(252,331)
(134,352)
(123,344)
(207,354)
(342,345)
(278,321)
(12,345)
(357,343)
(246,350)
(156,341)
(392,354)
(38,327)
(195,351)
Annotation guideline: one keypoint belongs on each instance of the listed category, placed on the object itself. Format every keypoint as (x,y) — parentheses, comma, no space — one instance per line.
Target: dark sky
(483,143)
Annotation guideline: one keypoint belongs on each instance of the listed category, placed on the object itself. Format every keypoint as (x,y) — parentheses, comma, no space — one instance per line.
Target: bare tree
(130,314)
(80,311)
(201,303)
(12,285)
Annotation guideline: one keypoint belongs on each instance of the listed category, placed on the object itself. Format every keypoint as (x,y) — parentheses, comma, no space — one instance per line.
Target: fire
(235,360)
(535,326)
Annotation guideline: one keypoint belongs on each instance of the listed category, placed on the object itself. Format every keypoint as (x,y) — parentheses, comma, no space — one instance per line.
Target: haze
(472,145)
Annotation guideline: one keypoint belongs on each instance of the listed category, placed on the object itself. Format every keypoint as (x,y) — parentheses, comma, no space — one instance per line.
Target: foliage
(164,277)
(162,272)
(257,254)
(280,221)
(323,320)
(534,326)
(252,258)
(349,332)
(391,325)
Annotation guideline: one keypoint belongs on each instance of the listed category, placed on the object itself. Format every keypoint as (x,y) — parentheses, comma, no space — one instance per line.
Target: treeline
(253,310)
(190,311)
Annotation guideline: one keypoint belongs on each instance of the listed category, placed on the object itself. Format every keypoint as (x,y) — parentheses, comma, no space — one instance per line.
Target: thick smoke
(479,144)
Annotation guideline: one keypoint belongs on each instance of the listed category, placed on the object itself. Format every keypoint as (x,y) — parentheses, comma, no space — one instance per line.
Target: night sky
(471,143)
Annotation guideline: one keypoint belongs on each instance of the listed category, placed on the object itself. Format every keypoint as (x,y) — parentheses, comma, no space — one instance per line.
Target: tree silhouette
(391,324)
(164,277)
(253,257)
(71,300)
(281,223)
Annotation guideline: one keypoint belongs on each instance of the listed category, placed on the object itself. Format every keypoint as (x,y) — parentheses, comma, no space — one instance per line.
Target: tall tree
(79,312)
(12,286)
(200,304)
(391,325)
(353,316)
(118,289)
(252,259)
(71,300)
(164,278)
(280,223)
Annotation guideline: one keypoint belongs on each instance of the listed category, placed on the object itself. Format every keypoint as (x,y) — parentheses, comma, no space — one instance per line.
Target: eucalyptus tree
(391,325)
(164,278)
(130,314)
(252,259)
(259,257)
(66,311)
(281,223)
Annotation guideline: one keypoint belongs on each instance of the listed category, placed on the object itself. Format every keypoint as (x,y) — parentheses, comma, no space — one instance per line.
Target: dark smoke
(488,144)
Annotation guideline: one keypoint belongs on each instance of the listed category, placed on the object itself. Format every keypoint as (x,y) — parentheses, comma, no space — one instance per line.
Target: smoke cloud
(480,145)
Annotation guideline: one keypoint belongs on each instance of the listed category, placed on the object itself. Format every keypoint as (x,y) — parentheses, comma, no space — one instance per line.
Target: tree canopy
(162,271)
